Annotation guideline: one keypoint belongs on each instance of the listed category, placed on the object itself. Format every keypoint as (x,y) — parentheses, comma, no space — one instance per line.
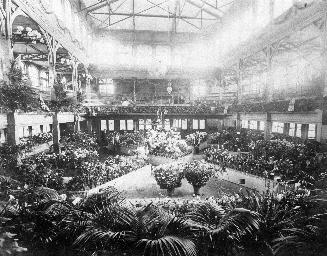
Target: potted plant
(198,174)
(195,140)
(169,177)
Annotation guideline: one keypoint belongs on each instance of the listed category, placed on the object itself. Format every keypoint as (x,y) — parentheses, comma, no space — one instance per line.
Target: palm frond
(236,228)
(207,214)
(168,245)
(99,238)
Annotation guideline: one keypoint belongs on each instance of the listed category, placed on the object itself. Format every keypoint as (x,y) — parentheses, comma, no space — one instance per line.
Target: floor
(142,184)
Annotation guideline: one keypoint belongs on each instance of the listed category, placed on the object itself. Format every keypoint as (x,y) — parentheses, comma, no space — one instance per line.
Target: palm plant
(225,234)
(149,230)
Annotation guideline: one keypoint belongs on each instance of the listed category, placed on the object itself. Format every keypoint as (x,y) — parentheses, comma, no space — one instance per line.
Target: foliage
(284,225)
(27,143)
(75,140)
(60,101)
(290,161)
(18,94)
(167,144)
(136,138)
(168,176)
(198,173)
(89,174)
(195,139)
(234,140)
(35,174)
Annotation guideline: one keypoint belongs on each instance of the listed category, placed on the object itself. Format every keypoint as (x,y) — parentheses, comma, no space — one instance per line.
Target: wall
(251,181)
(25,121)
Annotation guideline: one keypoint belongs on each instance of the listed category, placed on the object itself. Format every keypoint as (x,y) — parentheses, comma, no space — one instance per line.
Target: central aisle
(141,184)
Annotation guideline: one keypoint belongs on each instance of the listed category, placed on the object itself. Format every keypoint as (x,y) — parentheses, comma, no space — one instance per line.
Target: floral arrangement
(287,160)
(166,144)
(233,140)
(169,176)
(195,139)
(181,206)
(79,140)
(34,174)
(198,173)
(132,139)
(91,174)
(36,139)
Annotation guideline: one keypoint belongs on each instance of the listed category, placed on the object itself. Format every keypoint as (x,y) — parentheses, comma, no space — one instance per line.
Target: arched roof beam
(98,5)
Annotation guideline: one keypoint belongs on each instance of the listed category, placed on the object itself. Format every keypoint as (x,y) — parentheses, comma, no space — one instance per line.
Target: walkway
(141,184)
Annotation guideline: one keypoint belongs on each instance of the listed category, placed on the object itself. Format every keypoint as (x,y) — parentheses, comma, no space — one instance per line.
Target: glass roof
(157,15)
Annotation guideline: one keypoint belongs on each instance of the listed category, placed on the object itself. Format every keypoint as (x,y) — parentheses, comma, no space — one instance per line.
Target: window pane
(122,125)
(312,131)
(148,125)
(141,124)
(167,124)
(274,127)
(299,130)
(195,124)
(130,125)
(202,124)
(103,125)
(184,124)
(280,128)
(253,125)
(245,124)
(111,125)
(292,129)
(262,126)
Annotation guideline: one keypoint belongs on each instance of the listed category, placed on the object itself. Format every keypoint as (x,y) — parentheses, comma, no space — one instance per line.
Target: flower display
(169,176)
(288,160)
(167,144)
(198,173)
(92,174)
(233,140)
(136,138)
(195,139)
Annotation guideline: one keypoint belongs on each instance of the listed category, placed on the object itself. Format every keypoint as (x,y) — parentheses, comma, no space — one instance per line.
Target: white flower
(63,197)
(76,201)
